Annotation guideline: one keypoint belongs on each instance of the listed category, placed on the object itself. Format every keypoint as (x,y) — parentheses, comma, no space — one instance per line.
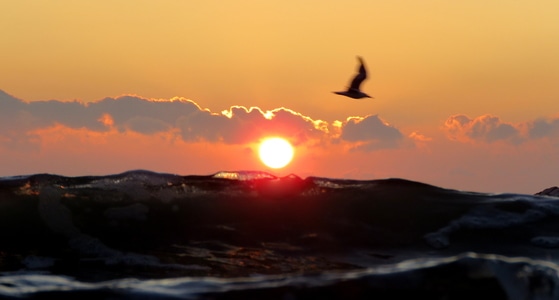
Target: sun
(275,152)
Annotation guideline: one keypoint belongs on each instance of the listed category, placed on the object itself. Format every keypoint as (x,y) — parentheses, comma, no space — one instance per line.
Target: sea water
(251,235)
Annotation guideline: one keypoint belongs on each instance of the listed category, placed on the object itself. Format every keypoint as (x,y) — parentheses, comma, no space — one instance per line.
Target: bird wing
(358,79)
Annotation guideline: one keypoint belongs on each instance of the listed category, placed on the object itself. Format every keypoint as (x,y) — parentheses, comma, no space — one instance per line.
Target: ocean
(252,235)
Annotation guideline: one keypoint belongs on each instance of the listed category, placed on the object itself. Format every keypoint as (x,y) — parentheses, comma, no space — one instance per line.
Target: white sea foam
(519,278)
(244,175)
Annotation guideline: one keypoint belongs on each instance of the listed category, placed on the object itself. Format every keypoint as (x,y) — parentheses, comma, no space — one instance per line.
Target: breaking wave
(250,234)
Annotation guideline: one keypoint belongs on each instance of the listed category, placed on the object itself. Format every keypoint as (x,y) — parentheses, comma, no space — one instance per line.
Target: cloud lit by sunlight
(237,125)
(488,128)
(178,135)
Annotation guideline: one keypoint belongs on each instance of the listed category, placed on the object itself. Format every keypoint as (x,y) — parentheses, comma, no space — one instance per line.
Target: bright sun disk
(275,152)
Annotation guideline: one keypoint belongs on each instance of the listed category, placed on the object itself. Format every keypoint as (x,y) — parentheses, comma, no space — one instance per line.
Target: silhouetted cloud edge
(488,128)
(185,117)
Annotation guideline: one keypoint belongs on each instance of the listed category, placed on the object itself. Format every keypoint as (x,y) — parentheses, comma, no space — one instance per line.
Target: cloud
(240,125)
(485,128)
(488,128)
(177,135)
(188,121)
(126,112)
(20,142)
(418,137)
(143,115)
(542,128)
(370,133)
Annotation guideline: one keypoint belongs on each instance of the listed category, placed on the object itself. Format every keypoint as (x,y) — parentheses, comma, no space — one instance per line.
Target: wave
(457,277)
(89,230)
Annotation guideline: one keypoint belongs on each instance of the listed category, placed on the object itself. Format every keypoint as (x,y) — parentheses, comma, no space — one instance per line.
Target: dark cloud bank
(187,119)
(239,125)
(489,128)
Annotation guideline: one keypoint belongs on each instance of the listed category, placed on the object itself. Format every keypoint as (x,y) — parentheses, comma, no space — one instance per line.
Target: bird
(353,91)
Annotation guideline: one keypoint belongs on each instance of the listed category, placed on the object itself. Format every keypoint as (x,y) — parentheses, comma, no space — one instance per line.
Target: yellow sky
(427,61)
(426,58)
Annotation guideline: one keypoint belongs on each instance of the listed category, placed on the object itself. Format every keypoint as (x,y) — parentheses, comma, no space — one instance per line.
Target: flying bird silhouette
(353,91)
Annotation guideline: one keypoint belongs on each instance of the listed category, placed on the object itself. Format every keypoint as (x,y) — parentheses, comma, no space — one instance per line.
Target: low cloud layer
(189,121)
(485,128)
(112,135)
(542,128)
(488,128)
(240,125)
(370,132)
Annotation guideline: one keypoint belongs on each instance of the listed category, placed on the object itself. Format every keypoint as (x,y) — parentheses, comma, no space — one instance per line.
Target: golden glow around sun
(275,152)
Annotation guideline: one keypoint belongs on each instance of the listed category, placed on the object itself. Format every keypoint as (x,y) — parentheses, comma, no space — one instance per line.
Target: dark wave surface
(142,234)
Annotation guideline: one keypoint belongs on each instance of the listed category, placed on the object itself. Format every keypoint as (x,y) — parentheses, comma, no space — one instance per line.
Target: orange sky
(471,87)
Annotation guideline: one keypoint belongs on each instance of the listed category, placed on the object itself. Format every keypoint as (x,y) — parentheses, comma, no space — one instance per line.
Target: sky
(465,92)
